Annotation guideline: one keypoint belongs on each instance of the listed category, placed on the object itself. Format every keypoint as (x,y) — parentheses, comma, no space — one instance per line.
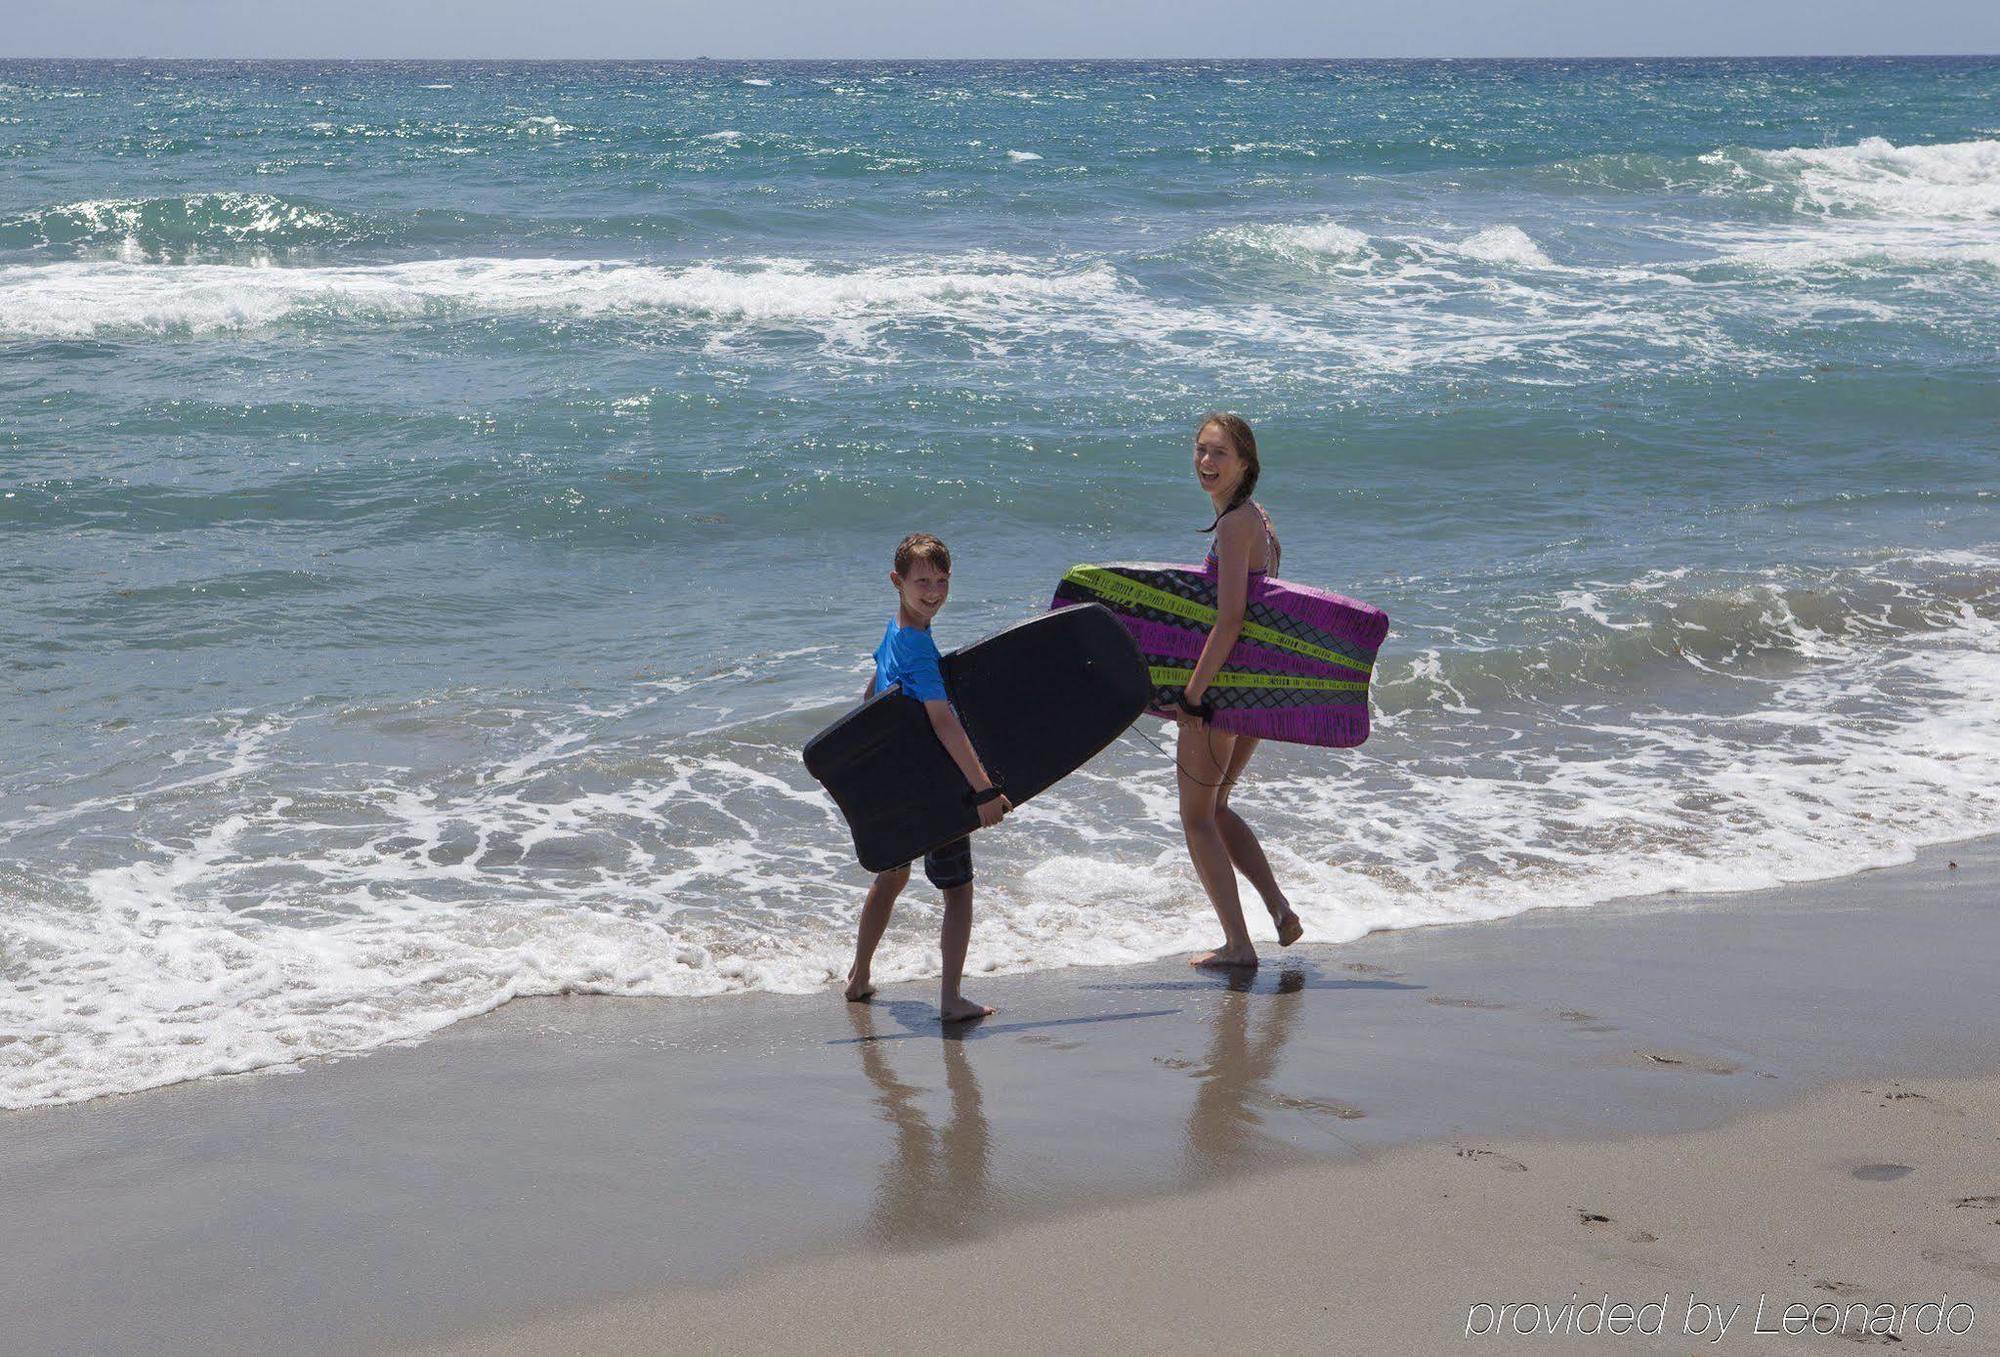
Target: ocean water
(439,500)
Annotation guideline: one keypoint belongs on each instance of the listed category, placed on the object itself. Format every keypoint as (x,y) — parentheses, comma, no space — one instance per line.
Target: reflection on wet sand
(1225,1126)
(934,1186)
(937,1183)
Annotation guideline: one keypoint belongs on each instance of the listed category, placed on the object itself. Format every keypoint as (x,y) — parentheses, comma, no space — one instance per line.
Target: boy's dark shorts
(951,865)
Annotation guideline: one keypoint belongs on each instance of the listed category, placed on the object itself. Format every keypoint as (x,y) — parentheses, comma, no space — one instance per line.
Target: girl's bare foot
(1226,956)
(964,1010)
(1290,930)
(858,988)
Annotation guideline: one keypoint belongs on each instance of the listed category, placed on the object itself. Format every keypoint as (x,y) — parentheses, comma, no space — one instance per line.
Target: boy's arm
(951,734)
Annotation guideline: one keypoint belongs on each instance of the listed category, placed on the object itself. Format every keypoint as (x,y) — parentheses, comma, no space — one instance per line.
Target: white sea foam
(292,919)
(80,299)
(856,310)
(1862,249)
(1504,244)
(1866,208)
(1586,601)
(1021,156)
(223,216)
(1377,305)
(1314,238)
(1875,177)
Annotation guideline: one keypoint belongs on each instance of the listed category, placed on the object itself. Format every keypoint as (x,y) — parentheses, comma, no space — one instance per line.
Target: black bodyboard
(1038,700)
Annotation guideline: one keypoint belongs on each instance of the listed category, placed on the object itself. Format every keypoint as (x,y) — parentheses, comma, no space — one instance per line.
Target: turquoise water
(440,499)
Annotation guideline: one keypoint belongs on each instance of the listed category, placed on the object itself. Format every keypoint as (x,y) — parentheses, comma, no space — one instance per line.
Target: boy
(908,659)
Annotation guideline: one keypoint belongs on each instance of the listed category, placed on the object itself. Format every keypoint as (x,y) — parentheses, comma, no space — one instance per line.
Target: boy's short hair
(921,546)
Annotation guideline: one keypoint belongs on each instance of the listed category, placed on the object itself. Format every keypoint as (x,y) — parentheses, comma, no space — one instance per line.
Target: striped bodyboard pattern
(1299,672)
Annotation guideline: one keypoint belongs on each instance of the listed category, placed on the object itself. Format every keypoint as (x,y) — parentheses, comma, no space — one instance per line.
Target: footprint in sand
(1978,1203)
(1320,1105)
(1839,1288)
(1491,1156)
(1965,1260)
(1485,1005)
(1881,1173)
(1592,1218)
(1685,1062)
(1172,1063)
(1643,1237)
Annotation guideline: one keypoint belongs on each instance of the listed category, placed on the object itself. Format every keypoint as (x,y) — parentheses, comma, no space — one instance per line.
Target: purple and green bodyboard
(1299,672)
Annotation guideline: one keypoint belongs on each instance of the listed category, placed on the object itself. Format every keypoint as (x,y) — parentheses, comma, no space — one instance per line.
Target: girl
(1211,760)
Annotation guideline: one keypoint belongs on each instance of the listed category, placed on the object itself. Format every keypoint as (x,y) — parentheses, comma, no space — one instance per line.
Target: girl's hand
(1182,716)
(991,812)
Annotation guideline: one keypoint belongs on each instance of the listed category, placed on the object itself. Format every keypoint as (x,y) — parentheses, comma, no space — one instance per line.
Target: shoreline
(576,1157)
(1906,857)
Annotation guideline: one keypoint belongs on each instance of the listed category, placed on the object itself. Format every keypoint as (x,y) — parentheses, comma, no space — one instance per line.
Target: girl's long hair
(1239,433)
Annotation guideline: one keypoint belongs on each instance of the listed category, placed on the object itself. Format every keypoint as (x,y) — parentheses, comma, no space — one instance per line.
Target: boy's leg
(875,911)
(950,870)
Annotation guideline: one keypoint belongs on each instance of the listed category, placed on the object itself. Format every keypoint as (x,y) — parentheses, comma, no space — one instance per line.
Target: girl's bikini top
(1213,562)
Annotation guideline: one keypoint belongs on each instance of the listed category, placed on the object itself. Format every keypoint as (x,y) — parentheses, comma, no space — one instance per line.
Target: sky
(665,29)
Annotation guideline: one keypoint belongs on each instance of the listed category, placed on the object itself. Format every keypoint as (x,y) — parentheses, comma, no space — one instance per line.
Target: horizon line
(1051,60)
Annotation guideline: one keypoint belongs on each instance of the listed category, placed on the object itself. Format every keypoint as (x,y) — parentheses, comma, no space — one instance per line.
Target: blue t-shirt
(908,659)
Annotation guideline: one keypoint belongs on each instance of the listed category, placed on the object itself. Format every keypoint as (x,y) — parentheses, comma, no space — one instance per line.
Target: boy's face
(923,590)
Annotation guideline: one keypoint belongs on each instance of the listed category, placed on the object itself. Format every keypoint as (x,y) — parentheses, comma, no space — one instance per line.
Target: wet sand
(1795,1227)
(1122,1159)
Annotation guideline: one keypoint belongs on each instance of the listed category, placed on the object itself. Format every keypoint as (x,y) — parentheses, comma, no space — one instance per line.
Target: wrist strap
(980,798)
(1205,709)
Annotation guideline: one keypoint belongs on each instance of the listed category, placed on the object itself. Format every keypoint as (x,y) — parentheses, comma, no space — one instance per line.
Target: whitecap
(1929,181)
(74,299)
(1504,244)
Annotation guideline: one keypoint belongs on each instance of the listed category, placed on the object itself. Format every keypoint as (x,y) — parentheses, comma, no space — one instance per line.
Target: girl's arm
(1234,537)
(951,734)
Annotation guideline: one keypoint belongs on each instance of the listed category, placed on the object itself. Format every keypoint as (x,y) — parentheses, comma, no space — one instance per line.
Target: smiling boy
(908,659)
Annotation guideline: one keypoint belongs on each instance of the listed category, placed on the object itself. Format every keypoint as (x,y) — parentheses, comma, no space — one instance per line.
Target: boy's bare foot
(964,1010)
(858,988)
(1290,930)
(1225,957)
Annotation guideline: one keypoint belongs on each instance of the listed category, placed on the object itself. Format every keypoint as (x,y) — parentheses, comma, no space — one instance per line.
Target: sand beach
(1787,1094)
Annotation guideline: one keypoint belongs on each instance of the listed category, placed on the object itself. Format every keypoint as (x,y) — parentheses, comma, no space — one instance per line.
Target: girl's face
(1217,464)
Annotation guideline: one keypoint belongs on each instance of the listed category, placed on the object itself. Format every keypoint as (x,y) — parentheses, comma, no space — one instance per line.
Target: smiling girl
(1211,761)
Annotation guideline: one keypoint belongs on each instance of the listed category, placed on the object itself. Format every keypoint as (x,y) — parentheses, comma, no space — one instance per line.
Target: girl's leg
(1203,755)
(875,912)
(1247,853)
(953,939)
